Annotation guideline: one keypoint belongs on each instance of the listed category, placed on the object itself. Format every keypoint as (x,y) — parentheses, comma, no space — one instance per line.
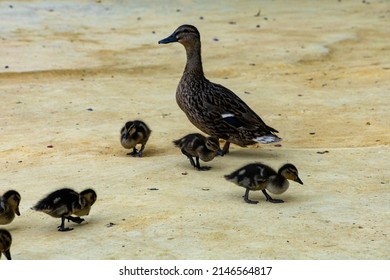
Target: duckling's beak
(170,39)
(17,211)
(298,180)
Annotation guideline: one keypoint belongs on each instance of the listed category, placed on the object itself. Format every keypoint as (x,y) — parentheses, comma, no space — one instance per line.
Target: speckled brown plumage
(211,107)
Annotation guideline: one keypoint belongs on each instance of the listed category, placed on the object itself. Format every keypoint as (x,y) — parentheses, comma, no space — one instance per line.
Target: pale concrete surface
(318,71)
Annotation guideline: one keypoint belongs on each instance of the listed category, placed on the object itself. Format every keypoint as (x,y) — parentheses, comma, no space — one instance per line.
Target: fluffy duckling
(5,243)
(64,203)
(9,206)
(211,107)
(134,133)
(198,146)
(258,176)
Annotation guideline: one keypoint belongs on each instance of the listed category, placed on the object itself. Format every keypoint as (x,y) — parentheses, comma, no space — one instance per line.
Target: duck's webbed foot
(270,199)
(77,220)
(201,168)
(140,152)
(135,153)
(246,198)
(61,228)
(8,255)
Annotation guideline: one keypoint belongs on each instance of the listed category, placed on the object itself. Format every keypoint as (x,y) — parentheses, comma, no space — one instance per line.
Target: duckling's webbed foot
(141,150)
(77,220)
(8,255)
(201,168)
(270,199)
(62,227)
(246,198)
(135,153)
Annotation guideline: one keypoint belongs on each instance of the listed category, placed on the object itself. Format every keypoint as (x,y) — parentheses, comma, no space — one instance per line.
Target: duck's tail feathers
(229,177)
(176,142)
(267,139)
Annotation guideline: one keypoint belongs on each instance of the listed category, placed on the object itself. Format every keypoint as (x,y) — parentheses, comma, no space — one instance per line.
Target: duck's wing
(225,106)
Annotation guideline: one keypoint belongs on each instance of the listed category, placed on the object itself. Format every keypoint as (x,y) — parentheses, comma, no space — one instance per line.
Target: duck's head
(86,199)
(185,34)
(128,129)
(13,198)
(212,143)
(290,172)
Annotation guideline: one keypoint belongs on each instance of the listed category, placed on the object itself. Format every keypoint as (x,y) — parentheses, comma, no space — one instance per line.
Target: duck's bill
(299,181)
(170,39)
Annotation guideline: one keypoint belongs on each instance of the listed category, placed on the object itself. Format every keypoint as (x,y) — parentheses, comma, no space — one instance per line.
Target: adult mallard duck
(195,145)
(134,133)
(213,108)
(5,243)
(64,203)
(9,206)
(258,176)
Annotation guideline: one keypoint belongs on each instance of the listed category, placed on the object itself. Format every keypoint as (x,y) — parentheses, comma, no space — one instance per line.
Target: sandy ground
(73,72)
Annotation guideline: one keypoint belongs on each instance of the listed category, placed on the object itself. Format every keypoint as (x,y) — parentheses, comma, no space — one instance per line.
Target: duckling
(9,206)
(198,146)
(258,176)
(5,243)
(64,203)
(134,133)
(212,108)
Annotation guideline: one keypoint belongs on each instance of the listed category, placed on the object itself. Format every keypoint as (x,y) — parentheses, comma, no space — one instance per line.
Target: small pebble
(215,39)
(49,146)
(89,109)
(153,189)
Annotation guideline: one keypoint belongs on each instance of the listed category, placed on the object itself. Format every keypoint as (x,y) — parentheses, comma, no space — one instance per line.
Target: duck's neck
(194,60)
